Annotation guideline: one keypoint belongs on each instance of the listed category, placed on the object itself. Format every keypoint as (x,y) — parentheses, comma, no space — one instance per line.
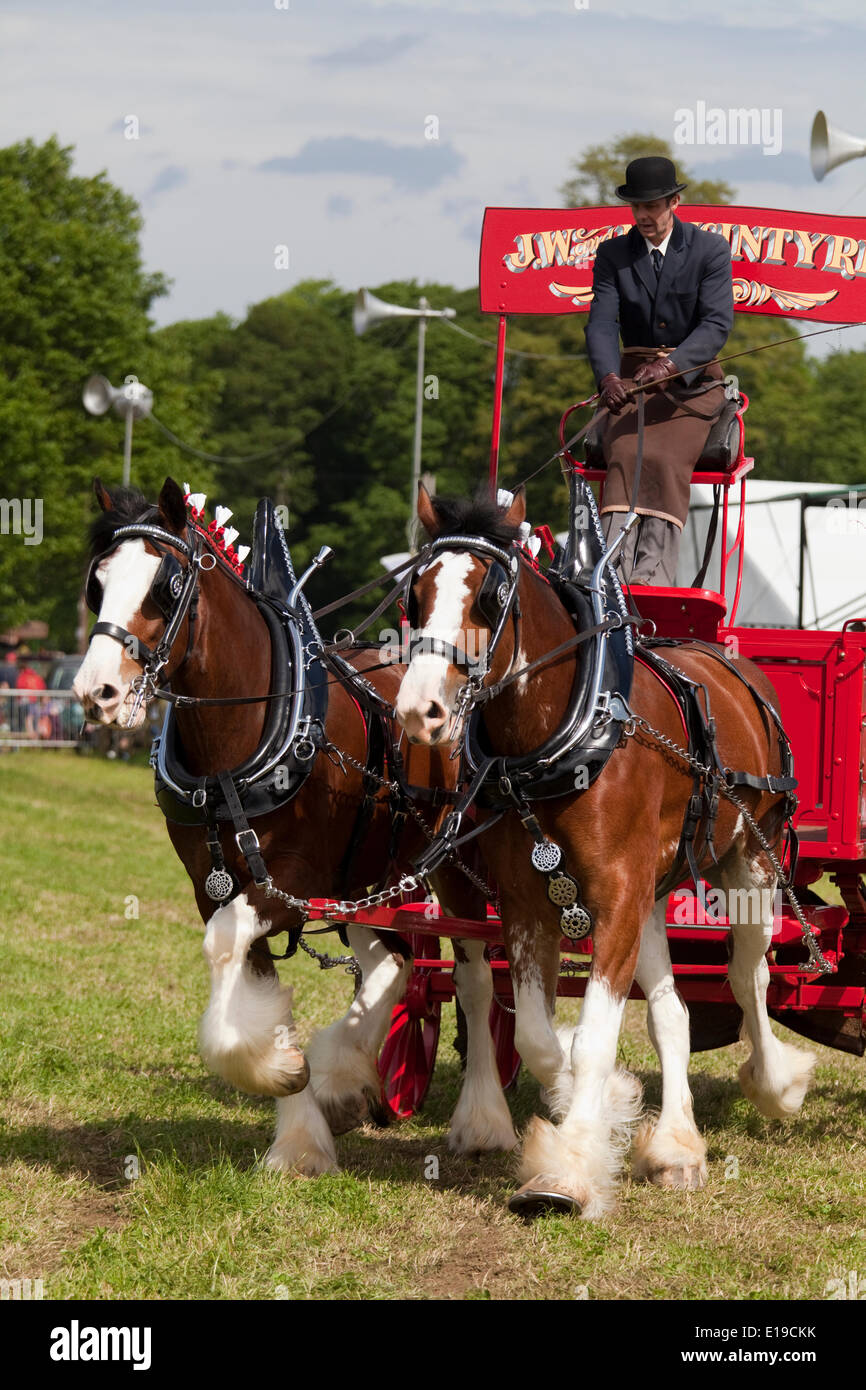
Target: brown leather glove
(654,372)
(612,393)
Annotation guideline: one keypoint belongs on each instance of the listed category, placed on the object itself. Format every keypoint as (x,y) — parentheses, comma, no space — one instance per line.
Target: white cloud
(221,87)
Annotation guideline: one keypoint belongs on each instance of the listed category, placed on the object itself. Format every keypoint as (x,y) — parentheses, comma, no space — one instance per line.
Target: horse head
(137,572)
(461,598)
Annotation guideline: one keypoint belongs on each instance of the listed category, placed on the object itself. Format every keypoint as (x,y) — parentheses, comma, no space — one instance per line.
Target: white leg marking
(534,1035)
(247,1034)
(303,1142)
(776,1076)
(482,1119)
(343,1057)
(668,1148)
(582,1157)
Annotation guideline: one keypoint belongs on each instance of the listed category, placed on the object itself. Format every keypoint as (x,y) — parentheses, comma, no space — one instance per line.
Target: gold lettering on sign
(746,242)
(777,237)
(585,244)
(552,248)
(577,247)
(841,251)
(807,244)
(524,255)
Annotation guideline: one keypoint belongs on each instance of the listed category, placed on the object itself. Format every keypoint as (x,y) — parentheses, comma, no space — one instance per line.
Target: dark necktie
(657,261)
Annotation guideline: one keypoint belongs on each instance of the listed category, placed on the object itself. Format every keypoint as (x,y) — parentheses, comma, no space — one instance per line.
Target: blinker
(164,591)
(489,601)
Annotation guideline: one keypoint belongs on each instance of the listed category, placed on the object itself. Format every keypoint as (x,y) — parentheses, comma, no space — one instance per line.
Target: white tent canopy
(834,557)
(834,568)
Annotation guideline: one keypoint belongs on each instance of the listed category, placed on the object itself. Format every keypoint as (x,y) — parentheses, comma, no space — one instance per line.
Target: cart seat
(681,613)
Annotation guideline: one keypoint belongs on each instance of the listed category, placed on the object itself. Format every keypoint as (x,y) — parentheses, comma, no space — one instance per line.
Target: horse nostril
(106,693)
(435,711)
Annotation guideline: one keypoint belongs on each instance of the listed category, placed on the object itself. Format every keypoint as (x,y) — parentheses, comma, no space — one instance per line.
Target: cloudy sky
(306,123)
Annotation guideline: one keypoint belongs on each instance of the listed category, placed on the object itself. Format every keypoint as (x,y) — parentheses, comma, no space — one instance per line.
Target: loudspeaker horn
(98,395)
(830,147)
(369,308)
(132,398)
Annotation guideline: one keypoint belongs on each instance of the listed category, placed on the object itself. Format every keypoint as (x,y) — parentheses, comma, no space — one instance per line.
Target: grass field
(100,1079)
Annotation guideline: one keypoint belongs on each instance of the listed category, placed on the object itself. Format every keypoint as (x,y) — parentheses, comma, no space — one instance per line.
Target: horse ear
(102,495)
(516,513)
(426,513)
(172,507)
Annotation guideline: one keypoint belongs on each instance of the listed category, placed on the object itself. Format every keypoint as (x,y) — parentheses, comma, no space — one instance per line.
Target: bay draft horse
(247,1035)
(618,839)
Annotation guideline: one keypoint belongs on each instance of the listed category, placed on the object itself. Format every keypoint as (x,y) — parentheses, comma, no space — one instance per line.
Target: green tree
(831,445)
(774,379)
(74,299)
(601,169)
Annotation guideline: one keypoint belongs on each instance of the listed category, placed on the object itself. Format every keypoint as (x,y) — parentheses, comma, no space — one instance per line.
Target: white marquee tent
(834,555)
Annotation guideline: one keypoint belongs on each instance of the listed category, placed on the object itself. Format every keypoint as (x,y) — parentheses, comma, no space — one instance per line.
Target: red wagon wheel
(409,1054)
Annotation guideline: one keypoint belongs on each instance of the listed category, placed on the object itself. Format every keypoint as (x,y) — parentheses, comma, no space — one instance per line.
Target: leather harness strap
(246,838)
(703,804)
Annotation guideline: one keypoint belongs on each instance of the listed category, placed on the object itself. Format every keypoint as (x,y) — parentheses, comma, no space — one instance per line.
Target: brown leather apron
(678,419)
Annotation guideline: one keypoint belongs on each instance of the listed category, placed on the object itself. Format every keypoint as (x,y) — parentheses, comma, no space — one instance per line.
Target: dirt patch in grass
(43,1216)
(59,1182)
(40,1134)
(480,1253)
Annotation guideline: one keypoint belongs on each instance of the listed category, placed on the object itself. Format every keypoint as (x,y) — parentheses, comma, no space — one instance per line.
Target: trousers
(649,554)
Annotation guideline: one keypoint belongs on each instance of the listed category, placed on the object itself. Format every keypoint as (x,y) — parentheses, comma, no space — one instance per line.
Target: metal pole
(497,404)
(419,416)
(801,595)
(127,446)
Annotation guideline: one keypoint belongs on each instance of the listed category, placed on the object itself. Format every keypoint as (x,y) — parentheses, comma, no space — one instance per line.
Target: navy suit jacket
(690,308)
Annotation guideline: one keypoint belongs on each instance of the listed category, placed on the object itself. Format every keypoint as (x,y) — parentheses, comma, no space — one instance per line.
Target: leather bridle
(508,604)
(155,659)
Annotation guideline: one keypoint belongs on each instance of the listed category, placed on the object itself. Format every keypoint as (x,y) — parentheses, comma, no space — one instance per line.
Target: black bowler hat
(649,178)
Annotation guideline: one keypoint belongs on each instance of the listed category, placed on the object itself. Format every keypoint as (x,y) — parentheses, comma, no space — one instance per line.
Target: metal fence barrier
(39,719)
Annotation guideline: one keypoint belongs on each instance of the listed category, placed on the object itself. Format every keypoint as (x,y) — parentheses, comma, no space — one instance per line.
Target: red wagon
(541,262)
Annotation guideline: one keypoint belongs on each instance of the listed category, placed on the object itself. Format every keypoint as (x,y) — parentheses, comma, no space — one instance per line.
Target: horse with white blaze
(499,660)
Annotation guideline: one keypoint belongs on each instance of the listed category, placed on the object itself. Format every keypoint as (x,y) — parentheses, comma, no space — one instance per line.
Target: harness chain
(817,960)
(327,962)
(430,835)
(408,883)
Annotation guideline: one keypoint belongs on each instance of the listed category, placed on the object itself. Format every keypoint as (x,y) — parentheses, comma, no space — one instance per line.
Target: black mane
(474,516)
(128,505)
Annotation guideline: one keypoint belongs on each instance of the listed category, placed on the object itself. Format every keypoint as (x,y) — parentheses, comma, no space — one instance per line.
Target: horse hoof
(541,1195)
(291,1082)
(686,1177)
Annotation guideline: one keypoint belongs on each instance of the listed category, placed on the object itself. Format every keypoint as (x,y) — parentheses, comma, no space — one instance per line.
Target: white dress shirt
(663,246)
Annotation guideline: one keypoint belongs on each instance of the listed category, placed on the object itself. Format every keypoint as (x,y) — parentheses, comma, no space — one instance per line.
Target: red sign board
(796,264)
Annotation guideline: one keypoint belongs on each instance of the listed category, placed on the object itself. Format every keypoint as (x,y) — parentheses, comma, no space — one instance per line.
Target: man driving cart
(664,289)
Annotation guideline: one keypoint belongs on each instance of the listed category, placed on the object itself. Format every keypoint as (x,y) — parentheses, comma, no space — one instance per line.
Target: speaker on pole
(99,395)
(369,308)
(830,147)
(133,398)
